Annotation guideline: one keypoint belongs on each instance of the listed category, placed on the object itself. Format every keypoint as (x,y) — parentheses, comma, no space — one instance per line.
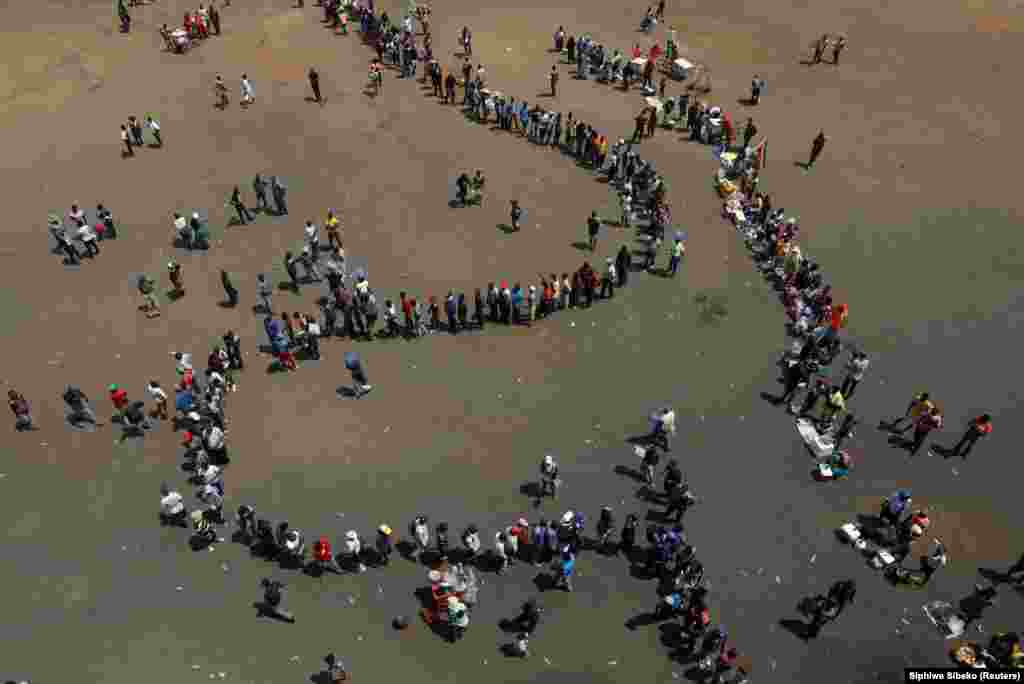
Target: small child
(517,214)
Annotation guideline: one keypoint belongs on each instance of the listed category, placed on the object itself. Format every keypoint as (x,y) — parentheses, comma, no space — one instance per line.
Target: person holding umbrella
(360,382)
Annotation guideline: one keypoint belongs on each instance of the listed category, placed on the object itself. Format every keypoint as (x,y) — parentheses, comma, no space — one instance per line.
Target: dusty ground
(910,210)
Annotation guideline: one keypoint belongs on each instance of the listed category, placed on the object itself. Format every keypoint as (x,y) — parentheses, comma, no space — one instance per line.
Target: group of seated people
(195,26)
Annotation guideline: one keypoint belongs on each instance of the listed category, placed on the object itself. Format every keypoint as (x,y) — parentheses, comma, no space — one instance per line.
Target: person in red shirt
(407,312)
(119,398)
(323,556)
(976,429)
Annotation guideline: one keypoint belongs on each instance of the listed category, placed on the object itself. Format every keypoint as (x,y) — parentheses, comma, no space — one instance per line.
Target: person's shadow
(798,628)
(263,609)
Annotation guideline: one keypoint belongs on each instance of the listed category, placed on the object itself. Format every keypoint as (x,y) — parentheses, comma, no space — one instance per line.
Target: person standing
(819,49)
(21,410)
(516,214)
(678,250)
(976,429)
(136,130)
(837,48)
(554,80)
(259,186)
(119,398)
(749,131)
(608,280)
(229,289)
(127,141)
(159,397)
(247,91)
(279,191)
(314,83)
(154,127)
(215,18)
(244,216)
(817,145)
(756,86)
(593,228)
(855,370)
(924,426)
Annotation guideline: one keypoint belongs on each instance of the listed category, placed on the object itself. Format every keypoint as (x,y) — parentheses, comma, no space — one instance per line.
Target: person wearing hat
(608,279)
(384,545)
(119,398)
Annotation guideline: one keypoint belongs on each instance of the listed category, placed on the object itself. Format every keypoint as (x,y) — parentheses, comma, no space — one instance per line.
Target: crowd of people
(351,308)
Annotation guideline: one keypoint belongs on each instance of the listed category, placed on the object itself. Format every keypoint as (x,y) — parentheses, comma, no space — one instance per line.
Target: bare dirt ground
(911,210)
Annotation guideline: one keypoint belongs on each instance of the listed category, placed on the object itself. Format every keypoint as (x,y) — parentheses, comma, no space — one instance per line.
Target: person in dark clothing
(795,374)
(817,145)
(450,312)
(976,429)
(215,18)
(259,186)
(749,131)
(570,49)
(478,309)
(641,123)
(529,618)
(236,201)
(279,191)
(623,262)
(593,228)
(229,289)
(109,229)
(293,272)
(271,605)
(314,83)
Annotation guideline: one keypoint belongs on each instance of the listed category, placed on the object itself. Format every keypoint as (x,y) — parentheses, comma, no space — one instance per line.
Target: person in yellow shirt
(333,226)
(918,406)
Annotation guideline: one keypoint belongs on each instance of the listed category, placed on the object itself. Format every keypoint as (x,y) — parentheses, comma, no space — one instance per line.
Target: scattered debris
(814,558)
(294,659)
(225,566)
(778,580)
(196,667)
(613,663)
(179,588)
(339,515)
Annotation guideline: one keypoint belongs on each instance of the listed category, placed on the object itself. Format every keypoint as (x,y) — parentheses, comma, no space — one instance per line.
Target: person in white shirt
(313,237)
(247,91)
(157,394)
(87,236)
(154,126)
(664,425)
(181,229)
(313,337)
(172,507)
(609,279)
(183,362)
(353,551)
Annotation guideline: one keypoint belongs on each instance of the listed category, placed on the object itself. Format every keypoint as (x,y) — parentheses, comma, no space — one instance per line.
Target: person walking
(159,397)
(553,77)
(314,83)
(918,406)
(817,145)
(855,370)
(244,216)
(756,86)
(976,429)
(215,18)
(924,426)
